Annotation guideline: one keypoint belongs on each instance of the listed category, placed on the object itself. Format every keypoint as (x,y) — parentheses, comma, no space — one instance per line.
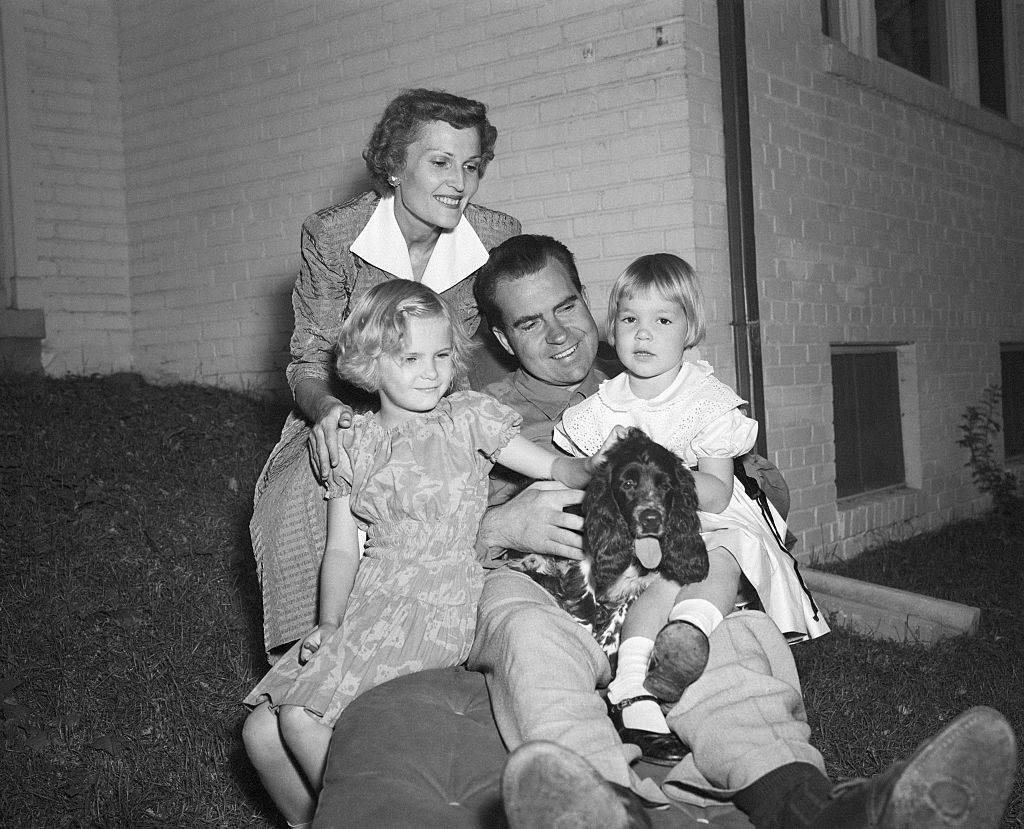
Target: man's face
(547,326)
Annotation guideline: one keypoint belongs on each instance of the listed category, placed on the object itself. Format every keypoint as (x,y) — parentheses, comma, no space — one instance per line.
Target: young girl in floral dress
(414,477)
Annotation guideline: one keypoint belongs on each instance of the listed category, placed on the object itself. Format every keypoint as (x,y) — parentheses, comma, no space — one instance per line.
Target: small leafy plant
(980,426)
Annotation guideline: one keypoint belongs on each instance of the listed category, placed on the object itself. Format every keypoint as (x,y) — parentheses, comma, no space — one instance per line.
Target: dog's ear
(684,556)
(606,535)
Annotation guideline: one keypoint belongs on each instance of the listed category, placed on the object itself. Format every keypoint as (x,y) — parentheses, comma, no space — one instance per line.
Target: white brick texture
(178,147)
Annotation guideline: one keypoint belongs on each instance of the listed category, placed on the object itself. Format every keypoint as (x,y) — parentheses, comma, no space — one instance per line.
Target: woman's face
(441,175)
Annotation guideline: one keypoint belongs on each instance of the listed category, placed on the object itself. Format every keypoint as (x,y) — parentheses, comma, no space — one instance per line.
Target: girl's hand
(332,415)
(577,472)
(614,436)
(311,644)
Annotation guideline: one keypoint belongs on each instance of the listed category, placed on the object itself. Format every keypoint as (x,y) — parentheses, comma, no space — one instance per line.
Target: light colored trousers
(743,718)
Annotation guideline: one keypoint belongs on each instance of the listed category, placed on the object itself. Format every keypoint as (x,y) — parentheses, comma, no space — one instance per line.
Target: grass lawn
(130,617)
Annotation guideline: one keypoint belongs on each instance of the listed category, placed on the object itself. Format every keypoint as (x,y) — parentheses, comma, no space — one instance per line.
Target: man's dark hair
(516,257)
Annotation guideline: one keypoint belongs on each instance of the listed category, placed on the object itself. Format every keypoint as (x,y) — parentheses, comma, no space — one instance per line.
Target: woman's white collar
(457,254)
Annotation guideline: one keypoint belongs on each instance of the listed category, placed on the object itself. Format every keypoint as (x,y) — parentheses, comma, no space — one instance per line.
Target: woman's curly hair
(377,327)
(400,124)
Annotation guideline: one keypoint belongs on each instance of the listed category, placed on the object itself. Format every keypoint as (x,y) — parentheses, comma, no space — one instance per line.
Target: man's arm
(534,521)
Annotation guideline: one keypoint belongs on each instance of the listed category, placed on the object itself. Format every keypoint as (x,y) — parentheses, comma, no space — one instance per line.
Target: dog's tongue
(648,551)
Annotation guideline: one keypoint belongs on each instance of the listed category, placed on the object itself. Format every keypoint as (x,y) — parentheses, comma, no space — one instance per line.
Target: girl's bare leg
(277,768)
(646,616)
(721,585)
(308,739)
(681,647)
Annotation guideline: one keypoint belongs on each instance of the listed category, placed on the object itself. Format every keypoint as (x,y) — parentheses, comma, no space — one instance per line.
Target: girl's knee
(297,723)
(722,564)
(260,729)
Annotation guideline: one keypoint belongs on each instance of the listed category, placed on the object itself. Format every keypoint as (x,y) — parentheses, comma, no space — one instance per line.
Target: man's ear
(499,335)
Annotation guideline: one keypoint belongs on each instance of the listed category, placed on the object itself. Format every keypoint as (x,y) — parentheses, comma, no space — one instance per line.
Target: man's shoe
(959,778)
(546,786)
(679,658)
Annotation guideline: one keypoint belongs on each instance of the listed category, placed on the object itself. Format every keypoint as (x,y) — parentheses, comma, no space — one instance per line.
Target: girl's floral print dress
(419,490)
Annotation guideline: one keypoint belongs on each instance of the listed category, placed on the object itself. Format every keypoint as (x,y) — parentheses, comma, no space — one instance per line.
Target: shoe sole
(545,786)
(973,758)
(679,658)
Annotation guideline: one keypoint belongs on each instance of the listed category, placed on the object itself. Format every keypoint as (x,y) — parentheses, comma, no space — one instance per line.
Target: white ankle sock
(634,655)
(698,612)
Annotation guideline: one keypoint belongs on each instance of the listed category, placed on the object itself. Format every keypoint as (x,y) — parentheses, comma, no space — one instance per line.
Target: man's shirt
(541,406)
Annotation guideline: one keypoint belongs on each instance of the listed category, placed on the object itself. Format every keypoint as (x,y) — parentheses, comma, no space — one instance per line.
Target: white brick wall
(77,162)
(885,210)
(879,221)
(240,121)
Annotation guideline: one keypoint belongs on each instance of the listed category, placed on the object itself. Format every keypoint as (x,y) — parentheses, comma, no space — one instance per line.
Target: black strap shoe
(959,779)
(545,785)
(655,747)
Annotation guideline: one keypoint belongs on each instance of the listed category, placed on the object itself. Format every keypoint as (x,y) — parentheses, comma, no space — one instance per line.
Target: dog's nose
(650,520)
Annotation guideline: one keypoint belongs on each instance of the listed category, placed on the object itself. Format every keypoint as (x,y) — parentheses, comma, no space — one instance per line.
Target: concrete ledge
(17,323)
(889,613)
(21,336)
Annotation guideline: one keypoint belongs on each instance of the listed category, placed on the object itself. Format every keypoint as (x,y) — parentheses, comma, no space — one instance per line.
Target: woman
(426,157)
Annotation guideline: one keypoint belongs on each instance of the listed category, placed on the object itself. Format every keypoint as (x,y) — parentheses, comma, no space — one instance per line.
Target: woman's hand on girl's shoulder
(324,450)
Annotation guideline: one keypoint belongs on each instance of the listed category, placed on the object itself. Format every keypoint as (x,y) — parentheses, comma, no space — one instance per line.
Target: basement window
(1012,365)
(867,418)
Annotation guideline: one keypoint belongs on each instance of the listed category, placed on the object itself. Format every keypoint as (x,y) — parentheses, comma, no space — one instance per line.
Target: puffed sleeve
(728,436)
(491,424)
(562,440)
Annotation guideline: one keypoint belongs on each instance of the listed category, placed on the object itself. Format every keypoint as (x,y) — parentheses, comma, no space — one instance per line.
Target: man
(743,720)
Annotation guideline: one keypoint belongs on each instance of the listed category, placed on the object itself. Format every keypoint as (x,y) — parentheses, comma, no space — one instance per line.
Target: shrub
(978,431)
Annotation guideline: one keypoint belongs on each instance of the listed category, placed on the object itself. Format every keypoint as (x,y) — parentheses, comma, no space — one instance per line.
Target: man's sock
(788,797)
(698,612)
(634,655)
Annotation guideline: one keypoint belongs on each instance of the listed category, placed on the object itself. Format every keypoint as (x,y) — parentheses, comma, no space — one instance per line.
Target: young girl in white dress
(414,477)
(656,313)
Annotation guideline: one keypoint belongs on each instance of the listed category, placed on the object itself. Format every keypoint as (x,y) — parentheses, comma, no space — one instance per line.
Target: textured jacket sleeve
(323,291)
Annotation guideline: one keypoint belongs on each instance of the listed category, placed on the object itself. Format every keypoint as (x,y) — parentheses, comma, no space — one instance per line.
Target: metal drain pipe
(746,325)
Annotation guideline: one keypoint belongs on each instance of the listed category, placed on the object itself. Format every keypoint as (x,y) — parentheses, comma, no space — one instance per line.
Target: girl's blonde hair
(377,327)
(672,278)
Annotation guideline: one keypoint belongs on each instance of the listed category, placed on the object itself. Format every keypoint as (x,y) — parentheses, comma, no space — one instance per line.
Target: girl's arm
(527,458)
(337,572)
(714,480)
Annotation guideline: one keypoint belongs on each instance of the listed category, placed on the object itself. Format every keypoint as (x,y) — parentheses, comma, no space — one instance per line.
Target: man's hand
(770,479)
(534,522)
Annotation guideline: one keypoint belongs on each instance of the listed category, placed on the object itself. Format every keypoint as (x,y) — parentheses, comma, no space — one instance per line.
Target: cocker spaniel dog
(639,519)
